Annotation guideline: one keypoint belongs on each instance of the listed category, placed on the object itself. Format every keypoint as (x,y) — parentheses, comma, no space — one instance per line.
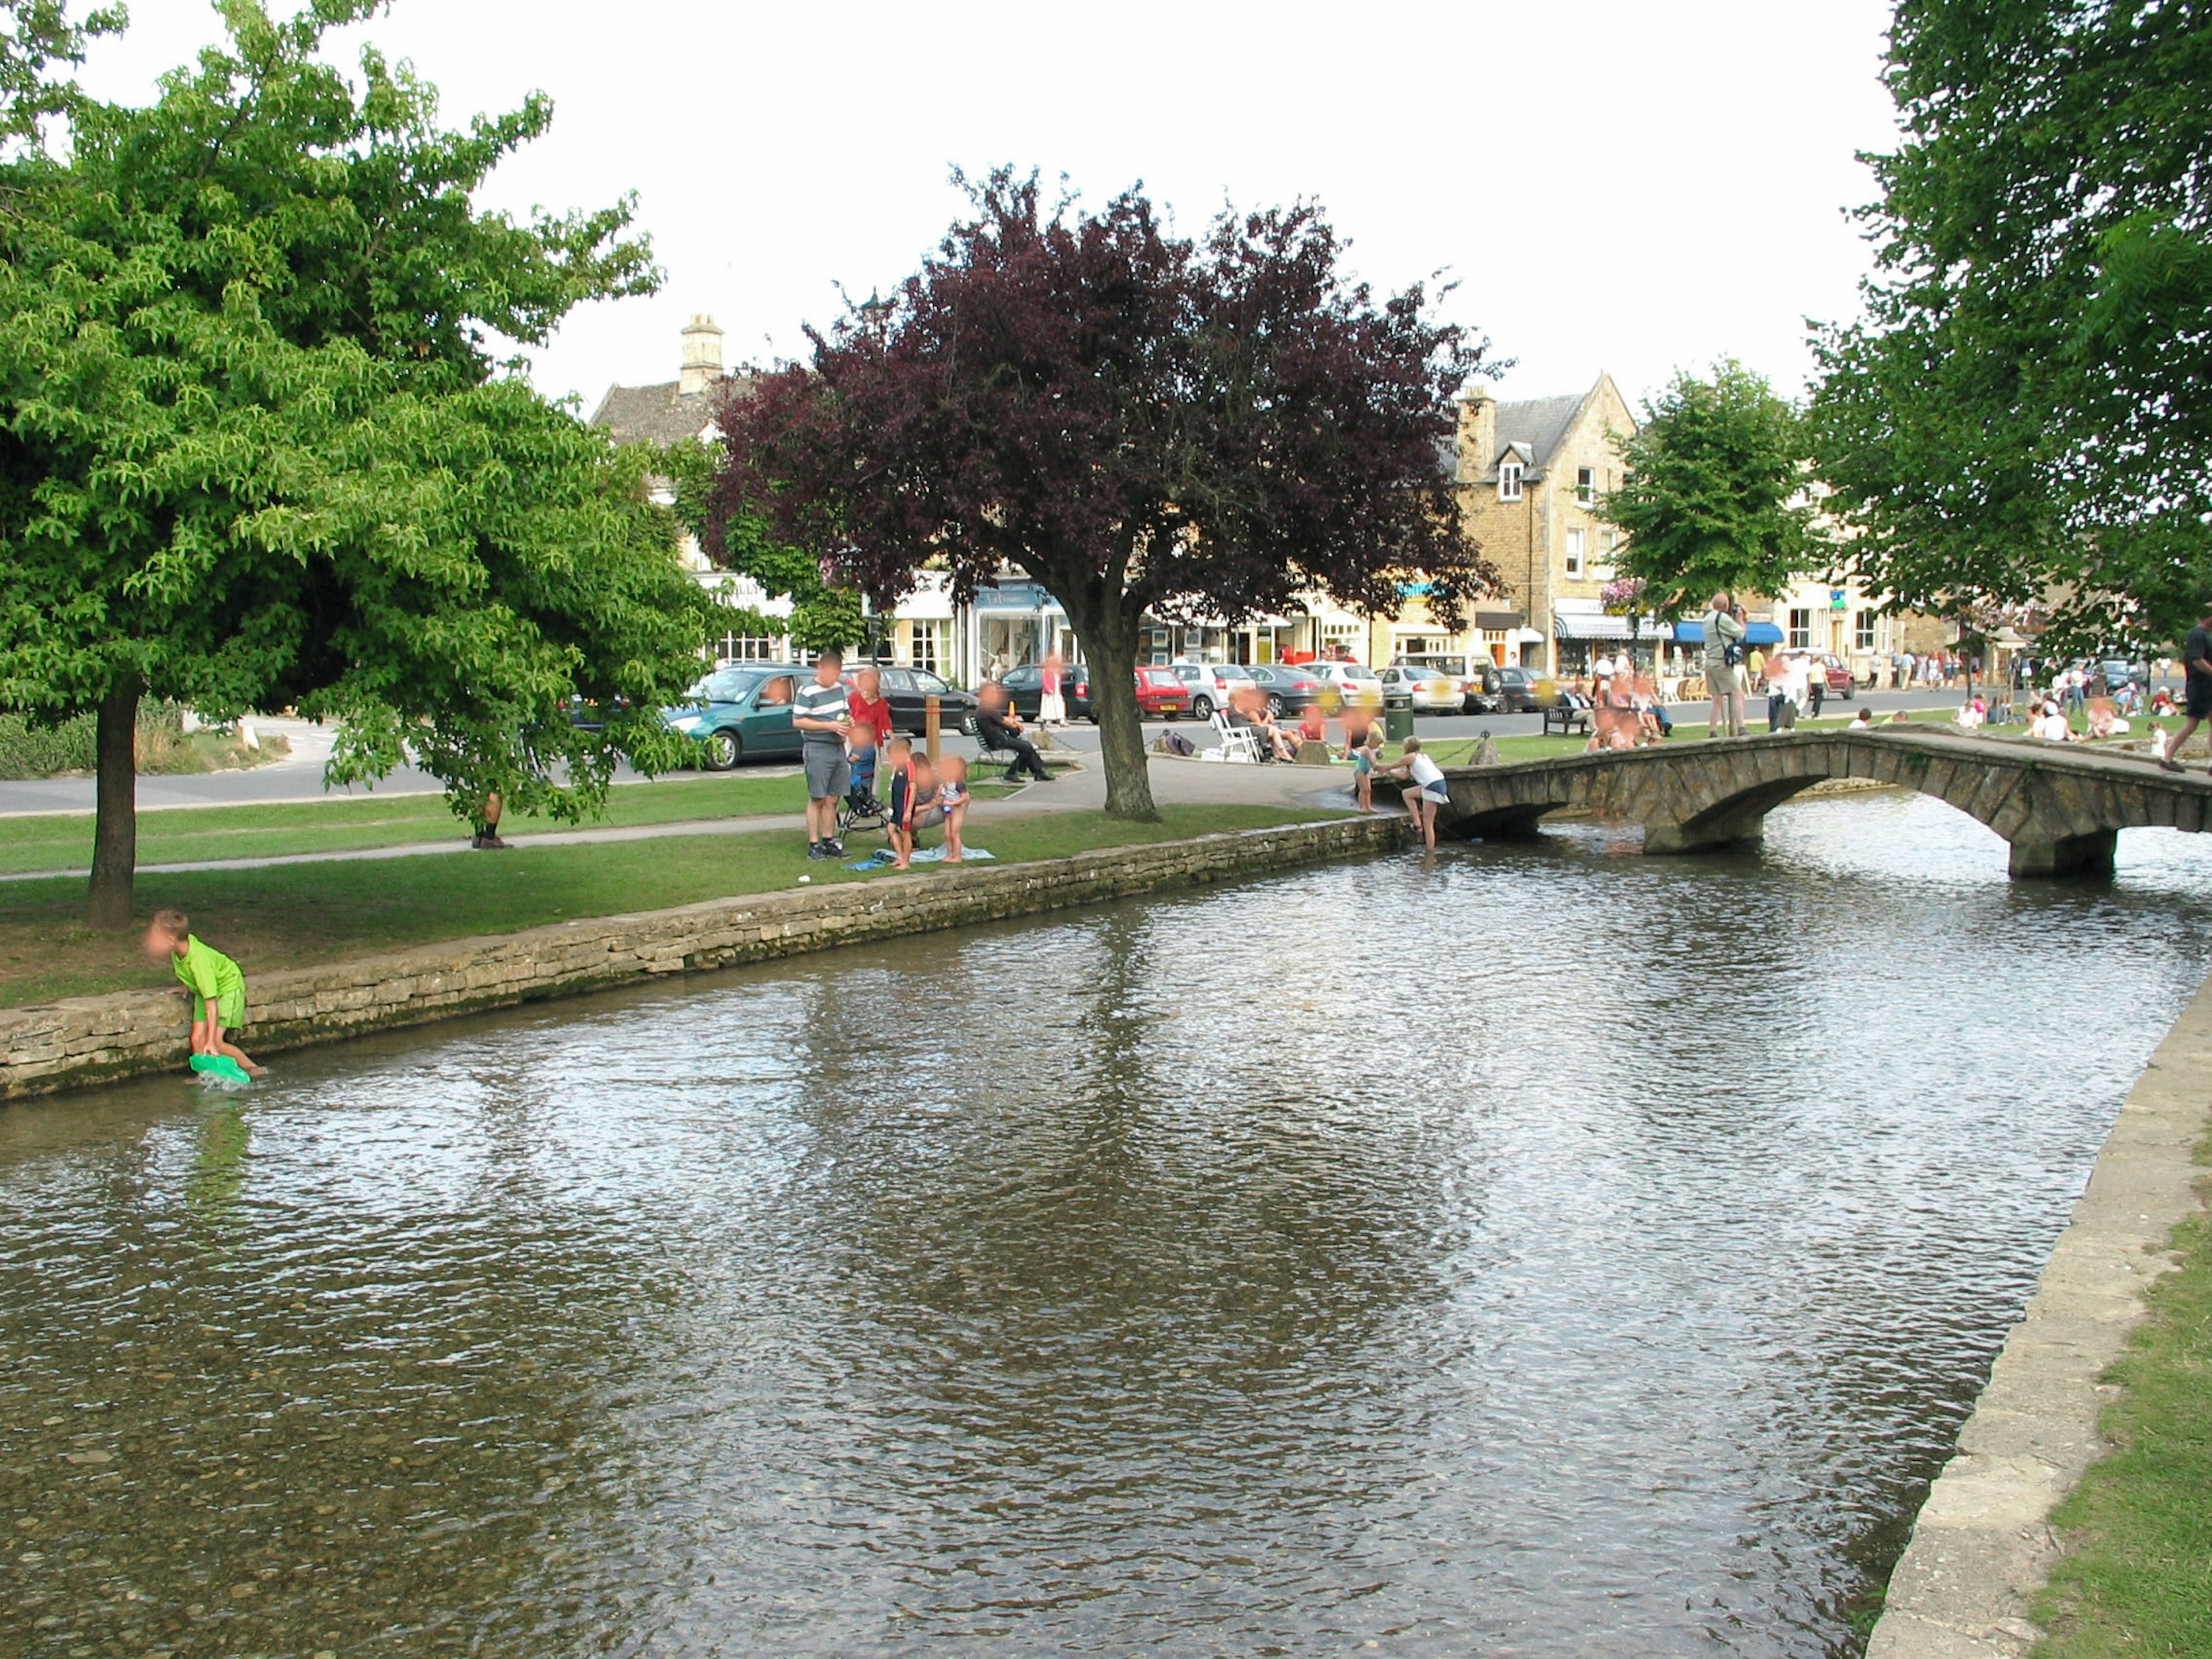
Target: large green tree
(256,449)
(2021,414)
(1714,492)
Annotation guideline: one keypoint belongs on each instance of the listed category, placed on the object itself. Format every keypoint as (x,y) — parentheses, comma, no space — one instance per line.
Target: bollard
(929,725)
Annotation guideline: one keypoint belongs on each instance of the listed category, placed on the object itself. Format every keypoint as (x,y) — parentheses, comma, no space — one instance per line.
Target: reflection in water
(1528,1251)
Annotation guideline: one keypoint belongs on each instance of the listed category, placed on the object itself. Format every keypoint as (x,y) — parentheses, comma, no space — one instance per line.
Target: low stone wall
(1983,1544)
(81,1040)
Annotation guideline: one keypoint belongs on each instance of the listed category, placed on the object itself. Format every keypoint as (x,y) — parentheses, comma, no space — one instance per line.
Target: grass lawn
(2136,1580)
(63,840)
(294,915)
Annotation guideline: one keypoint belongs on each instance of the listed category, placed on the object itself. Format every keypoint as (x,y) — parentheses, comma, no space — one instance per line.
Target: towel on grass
(884,855)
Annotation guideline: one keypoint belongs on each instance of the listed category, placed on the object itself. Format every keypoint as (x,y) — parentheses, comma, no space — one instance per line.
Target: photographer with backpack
(1724,632)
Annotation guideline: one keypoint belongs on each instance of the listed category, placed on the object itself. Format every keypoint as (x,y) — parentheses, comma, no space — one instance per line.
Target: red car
(1161,694)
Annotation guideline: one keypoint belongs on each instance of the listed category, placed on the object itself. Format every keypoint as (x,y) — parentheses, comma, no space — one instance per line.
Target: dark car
(1522,691)
(1288,691)
(1025,688)
(736,712)
(908,689)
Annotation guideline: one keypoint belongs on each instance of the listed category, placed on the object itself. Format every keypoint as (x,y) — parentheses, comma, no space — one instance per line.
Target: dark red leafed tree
(1138,422)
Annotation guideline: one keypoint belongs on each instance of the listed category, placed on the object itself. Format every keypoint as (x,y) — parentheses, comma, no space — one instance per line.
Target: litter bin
(1397,724)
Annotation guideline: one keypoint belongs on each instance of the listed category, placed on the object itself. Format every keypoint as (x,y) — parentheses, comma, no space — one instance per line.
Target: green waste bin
(1397,724)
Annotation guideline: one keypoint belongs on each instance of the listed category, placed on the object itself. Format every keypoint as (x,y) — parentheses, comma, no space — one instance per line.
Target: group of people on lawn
(840,728)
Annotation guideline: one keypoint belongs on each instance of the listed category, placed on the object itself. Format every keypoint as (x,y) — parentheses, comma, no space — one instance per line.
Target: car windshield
(729,686)
(928,684)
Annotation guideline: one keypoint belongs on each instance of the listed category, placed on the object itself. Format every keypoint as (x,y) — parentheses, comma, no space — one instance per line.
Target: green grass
(2136,1582)
(296,914)
(63,840)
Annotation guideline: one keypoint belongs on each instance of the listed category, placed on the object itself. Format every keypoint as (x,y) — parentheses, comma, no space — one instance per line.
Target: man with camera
(1724,632)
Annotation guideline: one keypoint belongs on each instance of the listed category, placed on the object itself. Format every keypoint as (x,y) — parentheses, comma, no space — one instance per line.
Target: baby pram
(859,809)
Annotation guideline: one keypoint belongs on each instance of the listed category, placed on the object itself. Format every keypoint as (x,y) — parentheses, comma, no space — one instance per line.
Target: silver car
(1357,685)
(1428,690)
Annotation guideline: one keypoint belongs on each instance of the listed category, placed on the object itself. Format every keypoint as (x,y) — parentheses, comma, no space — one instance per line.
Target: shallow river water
(1538,1250)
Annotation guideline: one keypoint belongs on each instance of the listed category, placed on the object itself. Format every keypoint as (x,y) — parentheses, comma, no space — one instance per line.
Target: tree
(34,36)
(822,617)
(254,450)
(1138,422)
(1713,493)
(2020,415)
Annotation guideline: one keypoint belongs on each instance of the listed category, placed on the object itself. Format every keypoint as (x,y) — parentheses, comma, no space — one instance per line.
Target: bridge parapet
(2061,809)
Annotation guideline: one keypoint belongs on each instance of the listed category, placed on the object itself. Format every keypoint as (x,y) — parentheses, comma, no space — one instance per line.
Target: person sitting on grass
(211,980)
(948,807)
(1862,722)
(1425,789)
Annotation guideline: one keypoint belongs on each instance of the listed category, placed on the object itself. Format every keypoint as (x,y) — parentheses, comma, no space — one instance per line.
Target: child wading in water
(1428,790)
(211,980)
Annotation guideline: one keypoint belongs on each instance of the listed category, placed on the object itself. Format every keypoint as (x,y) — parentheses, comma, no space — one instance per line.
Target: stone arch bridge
(2062,809)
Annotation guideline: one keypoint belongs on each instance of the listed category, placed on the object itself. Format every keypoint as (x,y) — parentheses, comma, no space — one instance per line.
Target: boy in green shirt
(211,980)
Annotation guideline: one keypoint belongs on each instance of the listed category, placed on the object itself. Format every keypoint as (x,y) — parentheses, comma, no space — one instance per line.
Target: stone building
(1530,476)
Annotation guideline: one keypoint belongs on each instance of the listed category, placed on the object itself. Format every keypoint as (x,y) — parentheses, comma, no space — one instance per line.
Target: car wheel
(723,750)
(1201,708)
(1274,708)
(1849,692)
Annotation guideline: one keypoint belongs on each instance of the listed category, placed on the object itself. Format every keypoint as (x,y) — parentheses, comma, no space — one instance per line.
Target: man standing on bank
(1723,679)
(2196,680)
(820,714)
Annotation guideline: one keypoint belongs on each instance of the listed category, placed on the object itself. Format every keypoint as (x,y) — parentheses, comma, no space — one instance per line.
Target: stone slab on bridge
(2060,808)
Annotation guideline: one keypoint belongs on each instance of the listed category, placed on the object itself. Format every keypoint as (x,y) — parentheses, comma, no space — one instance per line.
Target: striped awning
(1584,626)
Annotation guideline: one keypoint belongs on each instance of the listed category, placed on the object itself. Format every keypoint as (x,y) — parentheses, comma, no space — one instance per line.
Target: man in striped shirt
(819,713)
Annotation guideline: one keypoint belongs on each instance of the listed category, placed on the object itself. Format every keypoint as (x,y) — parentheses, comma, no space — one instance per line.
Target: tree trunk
(115,827)
(1110,643)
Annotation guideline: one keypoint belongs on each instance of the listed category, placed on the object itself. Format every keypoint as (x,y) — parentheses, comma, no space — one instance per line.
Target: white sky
(1625,184)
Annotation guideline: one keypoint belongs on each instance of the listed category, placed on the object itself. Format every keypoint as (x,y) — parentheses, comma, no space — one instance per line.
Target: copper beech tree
(1140,423)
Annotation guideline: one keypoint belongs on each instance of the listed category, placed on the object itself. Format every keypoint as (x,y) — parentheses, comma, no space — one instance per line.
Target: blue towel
(884,855)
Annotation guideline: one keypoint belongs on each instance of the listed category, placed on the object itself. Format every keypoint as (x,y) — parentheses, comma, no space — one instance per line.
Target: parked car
(1841,682)
(908,691)
(734,713)
(1288,691)
(1425,691)
(1354,683)
(1160,695)
(1025,689)
(1523,691)
(1209,684)
(1475,674)
(2118,671)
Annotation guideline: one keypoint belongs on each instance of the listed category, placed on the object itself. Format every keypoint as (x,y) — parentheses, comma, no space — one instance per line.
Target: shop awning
(1689,633)
(1585,626)
(1762,634)
(1499,622)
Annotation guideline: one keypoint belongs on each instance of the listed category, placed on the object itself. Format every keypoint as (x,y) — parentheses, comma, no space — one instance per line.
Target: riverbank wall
(83,1040)
(1983,1544)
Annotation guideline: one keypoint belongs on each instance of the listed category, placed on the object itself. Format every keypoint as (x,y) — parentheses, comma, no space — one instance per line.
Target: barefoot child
(951,808)
(1427,790)
(1361,755)
(898,755)
(211,980)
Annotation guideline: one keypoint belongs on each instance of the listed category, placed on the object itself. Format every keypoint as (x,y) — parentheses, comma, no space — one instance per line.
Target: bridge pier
(2065,855)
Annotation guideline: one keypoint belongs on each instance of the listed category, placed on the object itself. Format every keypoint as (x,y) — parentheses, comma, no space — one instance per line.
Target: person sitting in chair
(1001,728)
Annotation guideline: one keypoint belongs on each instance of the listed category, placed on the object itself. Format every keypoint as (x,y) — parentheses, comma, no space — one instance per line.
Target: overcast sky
(1617,184)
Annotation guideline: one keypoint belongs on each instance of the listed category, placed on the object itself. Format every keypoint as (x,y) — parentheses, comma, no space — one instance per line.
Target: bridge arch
(2060,812)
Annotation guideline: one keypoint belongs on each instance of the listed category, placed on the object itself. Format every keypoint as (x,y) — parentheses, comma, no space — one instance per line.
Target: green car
(739,711)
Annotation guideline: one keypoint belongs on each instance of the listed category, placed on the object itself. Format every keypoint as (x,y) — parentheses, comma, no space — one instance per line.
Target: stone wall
(81,1040)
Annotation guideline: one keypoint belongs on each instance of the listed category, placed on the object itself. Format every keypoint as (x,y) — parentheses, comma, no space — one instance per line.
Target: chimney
(702,357)
(1478,429)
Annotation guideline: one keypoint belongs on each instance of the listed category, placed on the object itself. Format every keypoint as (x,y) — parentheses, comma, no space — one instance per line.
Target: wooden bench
(1568,718)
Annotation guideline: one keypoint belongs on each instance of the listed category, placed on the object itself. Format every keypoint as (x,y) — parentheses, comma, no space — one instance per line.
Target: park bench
(1567,718)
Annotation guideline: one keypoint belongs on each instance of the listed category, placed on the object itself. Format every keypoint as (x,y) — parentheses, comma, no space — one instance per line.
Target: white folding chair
(1238,742)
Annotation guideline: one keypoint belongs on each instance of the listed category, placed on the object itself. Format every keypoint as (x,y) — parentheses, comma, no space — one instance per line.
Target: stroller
(859,809)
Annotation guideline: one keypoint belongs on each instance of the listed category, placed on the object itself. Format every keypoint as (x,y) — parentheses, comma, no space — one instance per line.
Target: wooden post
(930,718)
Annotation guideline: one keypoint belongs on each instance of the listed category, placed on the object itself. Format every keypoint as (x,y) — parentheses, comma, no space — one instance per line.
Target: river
(1536,1250)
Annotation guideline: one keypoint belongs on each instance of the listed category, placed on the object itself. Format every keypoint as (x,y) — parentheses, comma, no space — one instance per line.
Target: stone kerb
(90,1039)
(1983,1545)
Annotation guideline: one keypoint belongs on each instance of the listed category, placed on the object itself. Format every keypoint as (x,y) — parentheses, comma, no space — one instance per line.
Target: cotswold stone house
(1530,477)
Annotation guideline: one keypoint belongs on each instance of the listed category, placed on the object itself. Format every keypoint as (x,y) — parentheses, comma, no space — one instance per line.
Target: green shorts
(229,1008)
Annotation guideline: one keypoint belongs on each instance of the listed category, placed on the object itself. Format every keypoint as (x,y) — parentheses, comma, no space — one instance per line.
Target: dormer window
(1509,481)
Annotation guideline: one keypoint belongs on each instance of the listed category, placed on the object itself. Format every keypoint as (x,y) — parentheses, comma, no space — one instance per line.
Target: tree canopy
(256,449)
(1139,422)
(2021,415)
(1713,497)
